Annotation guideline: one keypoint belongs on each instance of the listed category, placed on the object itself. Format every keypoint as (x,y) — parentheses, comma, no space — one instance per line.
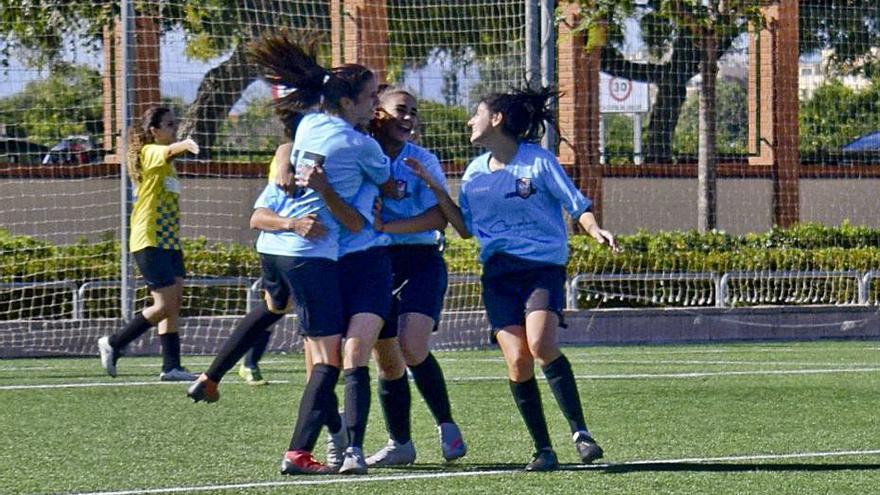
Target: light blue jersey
(349,157)
(518,210)
(350,242)
(414,196)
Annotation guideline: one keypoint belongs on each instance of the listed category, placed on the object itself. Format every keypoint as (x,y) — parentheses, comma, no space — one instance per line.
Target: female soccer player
(412,219)
(155,239)
(307,268)
(511,199)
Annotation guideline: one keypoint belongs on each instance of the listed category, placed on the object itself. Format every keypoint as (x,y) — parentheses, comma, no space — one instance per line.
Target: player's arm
(307,226)
(283,178)
(315,178)
(179,147)
(588,221)
(430,219)
(447,206)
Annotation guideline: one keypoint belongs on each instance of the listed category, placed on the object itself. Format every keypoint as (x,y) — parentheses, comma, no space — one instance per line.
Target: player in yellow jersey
(155,239)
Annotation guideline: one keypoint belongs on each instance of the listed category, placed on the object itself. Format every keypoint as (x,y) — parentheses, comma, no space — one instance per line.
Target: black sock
(333,419)
(253,356)
(132,330)
(528,399)
(357,404)
(431,384)
(246,332)
(561,380)
(170,351)
(395,398)
(313,407)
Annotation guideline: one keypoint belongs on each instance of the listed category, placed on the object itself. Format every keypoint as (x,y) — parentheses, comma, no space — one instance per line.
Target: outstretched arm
(450,210)
(179,147)
(430,219)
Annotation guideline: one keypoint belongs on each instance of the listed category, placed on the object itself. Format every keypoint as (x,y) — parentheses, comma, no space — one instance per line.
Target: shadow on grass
(722,467)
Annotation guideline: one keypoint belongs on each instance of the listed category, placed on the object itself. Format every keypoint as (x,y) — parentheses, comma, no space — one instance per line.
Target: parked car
(866,142)
(16,150)
(73,150)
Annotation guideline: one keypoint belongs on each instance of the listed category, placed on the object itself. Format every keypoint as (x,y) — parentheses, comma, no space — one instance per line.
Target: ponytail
(525,111)
(290,59)
(138,137)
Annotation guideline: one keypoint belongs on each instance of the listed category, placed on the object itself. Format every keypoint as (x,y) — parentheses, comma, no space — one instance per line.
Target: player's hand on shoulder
(313,178)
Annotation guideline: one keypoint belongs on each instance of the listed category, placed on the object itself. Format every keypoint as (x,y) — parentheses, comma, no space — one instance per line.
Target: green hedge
(802,248)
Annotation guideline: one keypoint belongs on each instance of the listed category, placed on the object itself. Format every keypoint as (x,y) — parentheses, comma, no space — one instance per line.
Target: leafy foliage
(837,114)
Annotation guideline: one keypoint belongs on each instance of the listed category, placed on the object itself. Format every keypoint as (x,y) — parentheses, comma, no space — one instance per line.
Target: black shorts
(420,280)
(365,282)
(514,287)
(160,267)
(314,284)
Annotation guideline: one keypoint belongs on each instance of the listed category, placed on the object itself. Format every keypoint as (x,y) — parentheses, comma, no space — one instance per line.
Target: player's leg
(157,268)
(543,314)
(315,286)
(248,329)
(395,399)
(169,336)
(526,395)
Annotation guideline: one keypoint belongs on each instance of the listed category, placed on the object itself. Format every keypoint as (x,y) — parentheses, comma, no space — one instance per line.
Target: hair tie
(326,78)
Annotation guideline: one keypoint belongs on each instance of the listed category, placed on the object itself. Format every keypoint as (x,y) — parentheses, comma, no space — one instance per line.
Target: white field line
(623,376)
(491,472)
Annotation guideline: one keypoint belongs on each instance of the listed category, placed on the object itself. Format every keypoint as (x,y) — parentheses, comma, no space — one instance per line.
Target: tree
(731,119)
(848,27)
(836,115)
(67,102)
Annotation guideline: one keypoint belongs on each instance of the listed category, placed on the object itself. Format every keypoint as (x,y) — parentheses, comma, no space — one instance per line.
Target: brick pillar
(773,105)
(362,26)
(143,83)
(578,72)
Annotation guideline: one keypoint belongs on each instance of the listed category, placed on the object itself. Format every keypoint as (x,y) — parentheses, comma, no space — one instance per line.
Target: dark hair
(140,135)
(290,119)
(290,59)
(524,111)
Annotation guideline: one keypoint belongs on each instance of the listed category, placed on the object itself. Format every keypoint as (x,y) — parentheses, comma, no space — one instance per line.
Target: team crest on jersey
(524,187)
(401,188)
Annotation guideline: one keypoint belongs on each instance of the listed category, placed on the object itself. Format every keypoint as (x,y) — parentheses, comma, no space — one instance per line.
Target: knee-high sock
(253,356)
(333,419)
(528,399)
(394,395)
(313,407)
(170,351)
(132,330)
(248,329)
(431,384)
(564,387)
(357,403)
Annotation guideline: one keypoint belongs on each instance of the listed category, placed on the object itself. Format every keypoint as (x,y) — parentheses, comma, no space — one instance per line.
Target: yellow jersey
(155,216)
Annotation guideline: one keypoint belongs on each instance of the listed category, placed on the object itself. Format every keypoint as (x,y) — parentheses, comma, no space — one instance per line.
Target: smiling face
(166,132)
(484,124)
(401,118)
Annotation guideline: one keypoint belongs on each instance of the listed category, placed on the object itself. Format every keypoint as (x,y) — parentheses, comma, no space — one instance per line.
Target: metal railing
(575,283)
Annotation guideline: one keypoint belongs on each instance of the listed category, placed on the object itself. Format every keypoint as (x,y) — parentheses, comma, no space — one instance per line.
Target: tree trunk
(707,206)
(221,87)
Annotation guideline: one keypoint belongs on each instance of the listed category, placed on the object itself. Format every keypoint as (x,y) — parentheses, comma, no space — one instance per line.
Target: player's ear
(497,119)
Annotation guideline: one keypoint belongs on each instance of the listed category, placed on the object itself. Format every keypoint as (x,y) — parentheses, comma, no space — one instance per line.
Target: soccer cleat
(251,376)
(451,442)
(177,375)
(394,454)
(543,460)
(354,462)
(203,389)
(336,445)
(108,356)
(302,462)
(586,447)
